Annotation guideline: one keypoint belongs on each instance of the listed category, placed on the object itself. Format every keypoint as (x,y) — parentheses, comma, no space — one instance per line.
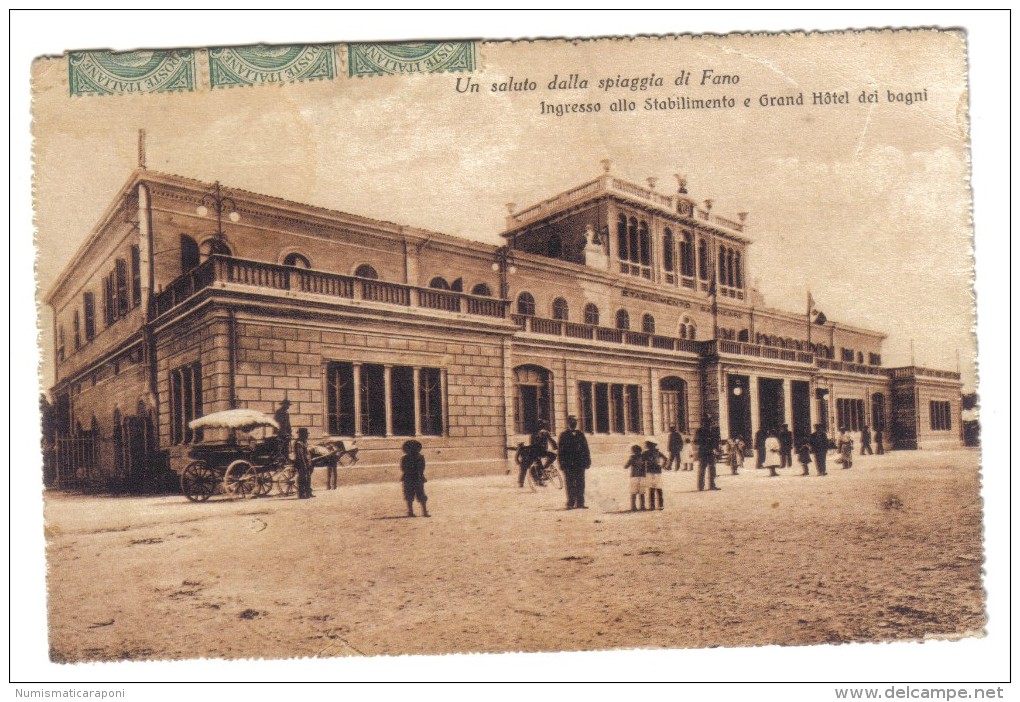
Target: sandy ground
(890,549)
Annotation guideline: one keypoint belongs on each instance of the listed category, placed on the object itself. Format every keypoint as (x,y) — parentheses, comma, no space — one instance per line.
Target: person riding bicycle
(538,450)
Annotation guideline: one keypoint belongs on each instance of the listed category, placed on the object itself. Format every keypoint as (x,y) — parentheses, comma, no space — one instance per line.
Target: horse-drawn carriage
(242,457)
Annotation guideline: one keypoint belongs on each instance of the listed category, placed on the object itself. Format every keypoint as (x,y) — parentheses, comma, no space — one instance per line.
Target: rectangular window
(430,401)
(373,400)
(185,402)
(136,276)
(402,400)
(60,343)
(849,414)
(847,355)
(340,399)
(586,409)
(634,423)
(123,302)
(940,415)
(606,408)
(619,409)
(874,359)
(77,330)
(601,408)
(89,303)
(108,313)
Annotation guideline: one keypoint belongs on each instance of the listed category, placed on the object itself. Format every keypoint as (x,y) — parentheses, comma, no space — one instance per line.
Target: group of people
(773,449)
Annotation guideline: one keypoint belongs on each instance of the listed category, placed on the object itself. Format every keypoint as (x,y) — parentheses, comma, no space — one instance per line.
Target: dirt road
(890,549)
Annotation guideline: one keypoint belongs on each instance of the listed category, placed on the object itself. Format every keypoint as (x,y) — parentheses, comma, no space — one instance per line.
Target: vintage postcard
(427,347)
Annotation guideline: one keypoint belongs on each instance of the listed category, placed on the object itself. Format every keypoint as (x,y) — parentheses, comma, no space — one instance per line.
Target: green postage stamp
(679,329)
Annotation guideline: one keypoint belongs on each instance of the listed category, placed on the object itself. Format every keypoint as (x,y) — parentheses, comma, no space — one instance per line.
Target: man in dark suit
(866,440)
(707,440)
(759,447)
(303,465)
(575,459)
(819,447)
(785,447)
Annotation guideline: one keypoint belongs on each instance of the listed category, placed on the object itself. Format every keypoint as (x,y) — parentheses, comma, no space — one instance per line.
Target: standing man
(879,446)
(303,465)
(866,440)
(785,447)
(675,445)
(707,439)
(575,458)
(283,434)
(819,447)
(759,447)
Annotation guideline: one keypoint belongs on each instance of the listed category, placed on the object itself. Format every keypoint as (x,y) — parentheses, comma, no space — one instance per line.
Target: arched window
(591,314)
(622,242)
(526,304)
(648,324)
(215,247)
(730,277)
(439,283)
(190,255)
(722,266)
(687,329)
(702,259)
(560,309)
(482,290)
(743,335)
(673,394)
(622,320)
(645,243)
(687,255)
(296,260)
(738,272)
(366,271)
(532,398)
(635,244)
(667,251)
(554,246)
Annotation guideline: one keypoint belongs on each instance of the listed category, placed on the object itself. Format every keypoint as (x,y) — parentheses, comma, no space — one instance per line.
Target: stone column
(724,404)
(752,396)
(417,401)
(388,394)
(357,399)
(787,403)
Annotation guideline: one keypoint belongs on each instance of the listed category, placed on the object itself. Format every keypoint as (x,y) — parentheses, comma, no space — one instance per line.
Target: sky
(865,205)
(746,182)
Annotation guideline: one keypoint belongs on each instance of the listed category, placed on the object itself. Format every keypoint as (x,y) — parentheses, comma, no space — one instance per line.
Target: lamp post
(504,265)
(219,202)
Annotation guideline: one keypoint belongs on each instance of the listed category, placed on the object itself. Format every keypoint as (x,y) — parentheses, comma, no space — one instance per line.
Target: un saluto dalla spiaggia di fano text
(708,78)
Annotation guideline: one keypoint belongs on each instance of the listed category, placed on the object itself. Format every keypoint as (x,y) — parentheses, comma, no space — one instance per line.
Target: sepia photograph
(358,349)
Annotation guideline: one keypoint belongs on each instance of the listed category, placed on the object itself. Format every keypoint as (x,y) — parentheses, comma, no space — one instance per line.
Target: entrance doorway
(770,403)
(800,392)
(822,405)
(738,397)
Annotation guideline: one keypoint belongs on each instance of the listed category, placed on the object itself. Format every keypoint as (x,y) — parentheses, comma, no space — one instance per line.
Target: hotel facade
(623,305)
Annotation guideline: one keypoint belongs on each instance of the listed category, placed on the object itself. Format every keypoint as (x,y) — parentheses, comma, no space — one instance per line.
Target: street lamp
(219,202)
(504,264)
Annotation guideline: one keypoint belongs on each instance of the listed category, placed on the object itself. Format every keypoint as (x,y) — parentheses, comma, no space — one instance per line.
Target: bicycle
(537,473)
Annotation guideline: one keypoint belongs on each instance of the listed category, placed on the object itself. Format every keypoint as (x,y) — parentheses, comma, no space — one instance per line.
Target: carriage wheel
(285,480)
(241,479)
(264,482)
(198,482)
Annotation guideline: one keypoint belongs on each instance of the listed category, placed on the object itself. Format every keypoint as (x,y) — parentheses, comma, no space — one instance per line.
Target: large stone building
(625,306)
